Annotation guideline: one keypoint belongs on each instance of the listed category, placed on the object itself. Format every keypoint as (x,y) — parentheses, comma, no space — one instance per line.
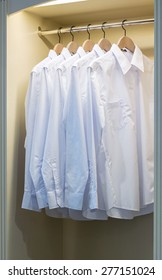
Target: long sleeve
(54,155)
(91,124)
(39,136)
(76,172)
(29,197)
(31,105)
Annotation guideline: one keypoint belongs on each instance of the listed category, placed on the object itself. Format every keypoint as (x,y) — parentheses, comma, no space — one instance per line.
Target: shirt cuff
(41,196)
(29,202)
(52,200)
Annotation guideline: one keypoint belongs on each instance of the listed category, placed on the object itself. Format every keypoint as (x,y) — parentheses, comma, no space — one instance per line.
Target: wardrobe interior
(32,235)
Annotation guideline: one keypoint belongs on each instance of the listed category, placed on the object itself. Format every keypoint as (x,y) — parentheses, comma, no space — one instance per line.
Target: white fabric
(122,88)
(89,143)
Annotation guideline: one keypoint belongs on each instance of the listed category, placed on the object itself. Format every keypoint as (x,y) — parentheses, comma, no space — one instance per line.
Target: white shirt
(40,128)
(122,89)
(31,101)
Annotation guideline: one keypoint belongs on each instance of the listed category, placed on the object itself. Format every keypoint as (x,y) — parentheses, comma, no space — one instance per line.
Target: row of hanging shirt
(89,133)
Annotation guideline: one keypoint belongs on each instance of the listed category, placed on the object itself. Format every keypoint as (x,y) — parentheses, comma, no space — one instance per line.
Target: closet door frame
(3,124)
(3,127)
(158,131)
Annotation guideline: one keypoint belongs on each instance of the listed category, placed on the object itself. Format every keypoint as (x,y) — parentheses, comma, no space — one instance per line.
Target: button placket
(109,165)
(56,180)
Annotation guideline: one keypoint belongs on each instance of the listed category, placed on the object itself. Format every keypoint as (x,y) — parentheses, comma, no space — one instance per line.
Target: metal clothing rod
(94,27)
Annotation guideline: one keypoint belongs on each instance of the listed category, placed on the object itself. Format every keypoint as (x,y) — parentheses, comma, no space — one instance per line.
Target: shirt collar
(68,62)
(52,54)
(81,52)
(125,64)
(98,50)
(137,59)
(65,53)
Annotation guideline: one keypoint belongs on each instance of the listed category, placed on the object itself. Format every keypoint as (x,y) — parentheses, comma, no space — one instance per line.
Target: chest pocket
(118,114)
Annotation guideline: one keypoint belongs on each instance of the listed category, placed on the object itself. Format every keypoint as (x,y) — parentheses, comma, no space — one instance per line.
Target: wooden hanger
(126,42)
(72,46)
(58,47)
(104,43)
(88,44)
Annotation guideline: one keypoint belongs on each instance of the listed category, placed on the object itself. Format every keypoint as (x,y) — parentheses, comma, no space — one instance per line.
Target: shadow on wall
(109,240)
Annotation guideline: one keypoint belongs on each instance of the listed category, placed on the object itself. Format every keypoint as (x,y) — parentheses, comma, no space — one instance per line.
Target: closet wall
(34,235)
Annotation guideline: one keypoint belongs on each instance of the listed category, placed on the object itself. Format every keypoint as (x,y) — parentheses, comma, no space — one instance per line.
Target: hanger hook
(58,33)
(72,35)
(89,35)
(125,31)
(103,30)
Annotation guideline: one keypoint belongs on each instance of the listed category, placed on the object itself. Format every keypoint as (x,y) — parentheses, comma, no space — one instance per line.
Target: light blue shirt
(48,84)
(80,182)
(53,167)
(33,93)
(57,133)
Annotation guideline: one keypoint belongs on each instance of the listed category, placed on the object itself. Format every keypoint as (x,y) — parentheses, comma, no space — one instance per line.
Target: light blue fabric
(79,172)
(31,102)
(48,84)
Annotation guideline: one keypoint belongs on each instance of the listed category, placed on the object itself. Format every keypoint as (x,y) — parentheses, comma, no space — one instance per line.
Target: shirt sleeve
(38,141)
(54,154)
(29,197)
(89,113)
(76,170)
(95,115)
